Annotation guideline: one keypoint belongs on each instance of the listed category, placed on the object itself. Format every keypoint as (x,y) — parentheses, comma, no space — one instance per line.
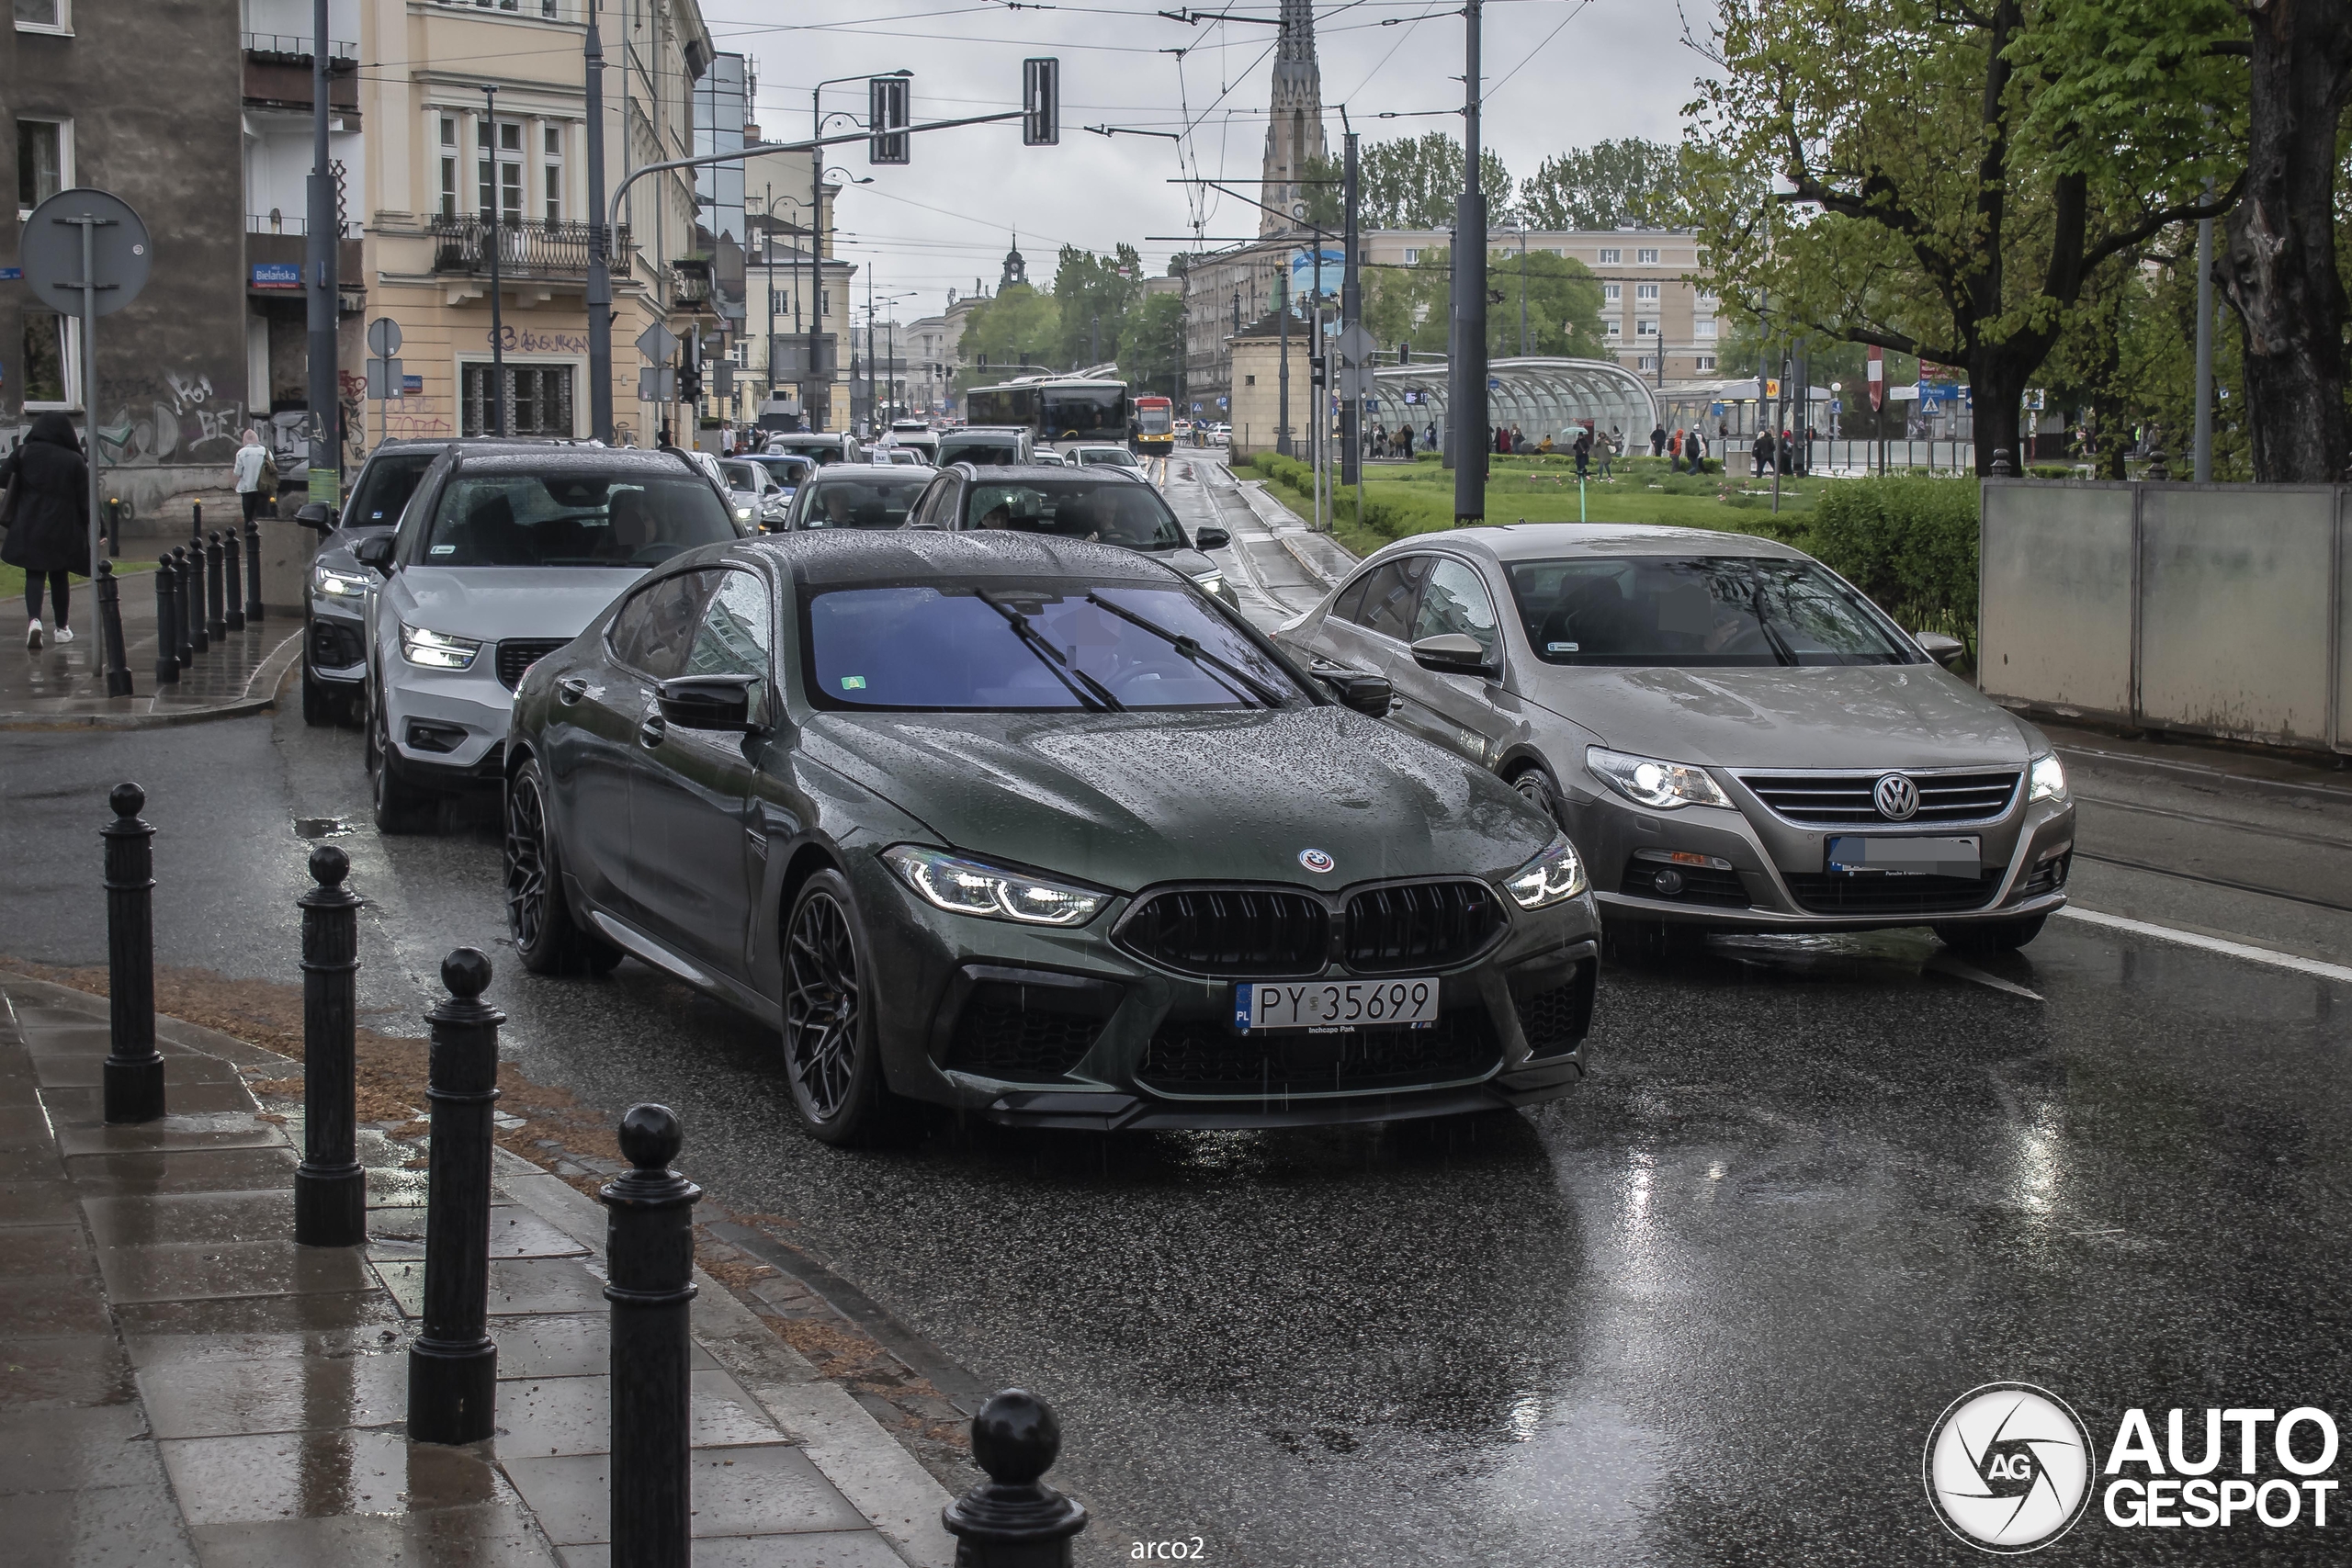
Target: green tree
(1410,305)
(1151,345)
(1411,183)
(1600,187)
(1020,325)
(1094,294)
(1955,175)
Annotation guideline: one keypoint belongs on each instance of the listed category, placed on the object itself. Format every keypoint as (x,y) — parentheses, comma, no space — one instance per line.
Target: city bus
(1056,410)
(1154,426)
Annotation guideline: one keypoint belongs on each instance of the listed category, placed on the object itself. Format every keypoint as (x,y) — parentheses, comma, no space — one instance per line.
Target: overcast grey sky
(1560,74)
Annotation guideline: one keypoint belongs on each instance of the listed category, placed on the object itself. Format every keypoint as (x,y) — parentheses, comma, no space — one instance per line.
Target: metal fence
(2221,610)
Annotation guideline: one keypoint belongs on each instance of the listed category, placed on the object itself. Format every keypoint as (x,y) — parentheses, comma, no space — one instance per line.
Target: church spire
(1295,128)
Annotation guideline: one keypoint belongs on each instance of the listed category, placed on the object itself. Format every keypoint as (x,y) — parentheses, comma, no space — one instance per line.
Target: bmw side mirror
(1454,653)
(1365,694)
(709,702)
(1211,539)
(1944,650)
(375,551)
(317,515)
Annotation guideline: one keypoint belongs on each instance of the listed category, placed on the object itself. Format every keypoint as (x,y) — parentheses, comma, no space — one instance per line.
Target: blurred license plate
(1333,1004)
(1913,857)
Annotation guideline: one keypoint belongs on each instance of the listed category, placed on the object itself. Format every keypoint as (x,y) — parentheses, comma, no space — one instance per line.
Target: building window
(448,165)
(1646,292)
(44,16)
(1611,256)
(1249,380)
(538,399)
(1645,258)
(1647,362)
(1645,328)
(1612,328)
(552,173)
(51,360)
(1611,293)
(44,160)
(1706,362)
(1412,257)
(1702,326)
(508,164)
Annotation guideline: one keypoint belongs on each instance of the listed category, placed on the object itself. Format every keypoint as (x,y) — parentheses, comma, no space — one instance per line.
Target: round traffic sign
(50,250)
(383,337)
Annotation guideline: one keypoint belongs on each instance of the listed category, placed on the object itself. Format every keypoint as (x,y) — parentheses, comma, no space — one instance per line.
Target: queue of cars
(974,784)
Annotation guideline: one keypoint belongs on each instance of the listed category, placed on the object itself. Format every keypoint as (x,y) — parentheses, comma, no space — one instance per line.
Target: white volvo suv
(504,554)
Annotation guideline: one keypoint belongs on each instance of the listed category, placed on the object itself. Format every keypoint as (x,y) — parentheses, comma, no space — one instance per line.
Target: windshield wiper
(1780,649)
(1089,692)
(1240,681)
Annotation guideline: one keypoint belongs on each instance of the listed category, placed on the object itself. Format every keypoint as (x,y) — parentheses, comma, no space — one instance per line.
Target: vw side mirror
(1365,694)
(1454,653)
(375,551)
(708,702)
(1944,650)
(1211,539)
(317,515)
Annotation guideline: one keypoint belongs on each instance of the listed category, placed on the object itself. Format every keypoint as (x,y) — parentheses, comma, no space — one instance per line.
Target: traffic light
(1040,102)
(1404,354)
(887,101)
(690,382)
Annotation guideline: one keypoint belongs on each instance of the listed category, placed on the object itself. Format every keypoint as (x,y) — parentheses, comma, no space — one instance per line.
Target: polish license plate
(1327,1006)
(1905,857)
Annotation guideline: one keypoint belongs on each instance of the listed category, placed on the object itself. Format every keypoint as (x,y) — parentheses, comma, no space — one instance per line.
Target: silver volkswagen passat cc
(1733,736)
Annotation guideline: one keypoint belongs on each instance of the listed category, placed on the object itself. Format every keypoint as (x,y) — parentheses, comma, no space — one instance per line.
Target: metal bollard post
(649,1262)
(1012,1519)
(233,598)
(114,526)
(452,1364)
(117,663)
(252,572)
(167,633)
(216,616)
(134,1070)
(330,1187)
(2001,468)
(193,639)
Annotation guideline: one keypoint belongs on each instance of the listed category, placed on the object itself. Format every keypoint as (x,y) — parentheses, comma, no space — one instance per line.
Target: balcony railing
(527,248)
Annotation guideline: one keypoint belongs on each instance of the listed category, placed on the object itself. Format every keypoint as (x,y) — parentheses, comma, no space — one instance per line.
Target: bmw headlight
(437,650)
(974,887)
(339,585)
(2048,779)
(1553,877)
(1665,785)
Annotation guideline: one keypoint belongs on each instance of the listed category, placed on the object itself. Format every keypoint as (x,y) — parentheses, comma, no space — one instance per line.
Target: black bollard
(1012,1519)
(117,663)
(216,614)
(252,571)
(649,1262)
(452,1364)
(2001,468)
(330,1187)
(193,639)
(233,599)
(114,526)
(134,1071)
(167,635)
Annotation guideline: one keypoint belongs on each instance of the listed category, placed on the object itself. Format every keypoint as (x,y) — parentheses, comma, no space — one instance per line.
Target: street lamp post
(1466,391)
(497,348)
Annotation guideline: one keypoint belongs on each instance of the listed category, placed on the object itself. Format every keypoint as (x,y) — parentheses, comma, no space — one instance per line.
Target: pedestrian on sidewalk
(251,462)
(49,520)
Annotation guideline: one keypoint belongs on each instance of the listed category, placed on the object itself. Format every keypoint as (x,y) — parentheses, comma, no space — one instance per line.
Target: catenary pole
(319,250)
(1466,392)
(600,275)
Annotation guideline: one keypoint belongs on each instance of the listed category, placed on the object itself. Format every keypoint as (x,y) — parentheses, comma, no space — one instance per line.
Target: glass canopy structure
(1539,396)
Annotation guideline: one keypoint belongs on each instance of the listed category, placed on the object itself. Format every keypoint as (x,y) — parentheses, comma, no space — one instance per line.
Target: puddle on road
(321,827)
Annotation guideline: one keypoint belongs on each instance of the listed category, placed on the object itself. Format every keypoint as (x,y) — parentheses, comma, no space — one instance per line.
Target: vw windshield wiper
(1089,692)
(1780,649)
(1238,680)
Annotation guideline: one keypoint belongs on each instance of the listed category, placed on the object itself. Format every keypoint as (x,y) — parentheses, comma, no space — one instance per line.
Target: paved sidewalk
(1322,556)
(66,688)
(181,1385)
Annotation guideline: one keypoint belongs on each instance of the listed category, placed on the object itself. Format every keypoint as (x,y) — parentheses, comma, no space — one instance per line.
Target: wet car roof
(1532,541)
(506,458)
(842,556)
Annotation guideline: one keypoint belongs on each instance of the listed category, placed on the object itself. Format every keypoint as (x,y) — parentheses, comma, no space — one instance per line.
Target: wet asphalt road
(1702,1312)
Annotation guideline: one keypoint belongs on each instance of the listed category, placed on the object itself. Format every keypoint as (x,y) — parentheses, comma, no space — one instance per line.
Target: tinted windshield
(571,520)
(1073,413)
(1105,456)
(880,501)
(785,470)
(385,487)
(985,450)
(951,646)
(1686,611)
(1110,508)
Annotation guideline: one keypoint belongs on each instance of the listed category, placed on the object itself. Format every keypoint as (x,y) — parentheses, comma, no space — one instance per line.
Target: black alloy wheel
(829,1051)
(398,804)
(1536,788)
(546,937)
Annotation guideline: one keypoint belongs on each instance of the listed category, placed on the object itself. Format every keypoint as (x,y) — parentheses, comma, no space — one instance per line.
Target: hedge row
(1393,516)
(1907,541)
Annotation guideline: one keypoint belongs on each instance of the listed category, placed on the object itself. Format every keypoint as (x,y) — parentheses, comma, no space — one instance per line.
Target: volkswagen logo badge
(1315,861)
(1897,796)
(2009,1468)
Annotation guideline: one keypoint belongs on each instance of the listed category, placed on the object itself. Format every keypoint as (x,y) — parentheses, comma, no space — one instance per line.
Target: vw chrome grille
(516,655)
(1847,800)
(1421,925)
(1261,931)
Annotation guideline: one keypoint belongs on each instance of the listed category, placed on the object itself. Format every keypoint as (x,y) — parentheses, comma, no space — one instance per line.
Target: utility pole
(2204,471)
(1523,349)
(497,348)
(326,396)
(1466,390)
(1351,312)
(600,276)
(1282,310)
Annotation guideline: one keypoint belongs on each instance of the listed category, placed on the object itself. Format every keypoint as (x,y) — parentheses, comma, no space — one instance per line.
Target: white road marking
(2269,955)
(1945,964)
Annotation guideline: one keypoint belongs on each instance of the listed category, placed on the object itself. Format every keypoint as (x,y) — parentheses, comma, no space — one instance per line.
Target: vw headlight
(339,585)
(437,650)
(973,887)
(1665,785)
(1553,877)
(2049,779)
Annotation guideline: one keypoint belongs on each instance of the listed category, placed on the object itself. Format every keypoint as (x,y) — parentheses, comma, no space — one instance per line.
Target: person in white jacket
(252,458)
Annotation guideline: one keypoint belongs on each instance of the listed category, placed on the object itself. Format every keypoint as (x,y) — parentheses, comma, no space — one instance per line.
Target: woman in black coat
(49,518)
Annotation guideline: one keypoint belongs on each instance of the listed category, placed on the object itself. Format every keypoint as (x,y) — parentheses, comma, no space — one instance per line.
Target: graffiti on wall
(184,421)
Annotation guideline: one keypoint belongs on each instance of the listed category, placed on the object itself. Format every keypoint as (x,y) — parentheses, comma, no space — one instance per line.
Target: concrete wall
(2221,610)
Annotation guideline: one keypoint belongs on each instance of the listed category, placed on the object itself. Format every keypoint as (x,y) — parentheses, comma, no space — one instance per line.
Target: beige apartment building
(778,294)
(436,161)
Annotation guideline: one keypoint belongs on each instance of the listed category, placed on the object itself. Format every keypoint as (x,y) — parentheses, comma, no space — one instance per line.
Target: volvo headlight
(1665,785)
(1211,583)
(1553,877)
(437,650)
(2048,779)
(974,887)
(340,584)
